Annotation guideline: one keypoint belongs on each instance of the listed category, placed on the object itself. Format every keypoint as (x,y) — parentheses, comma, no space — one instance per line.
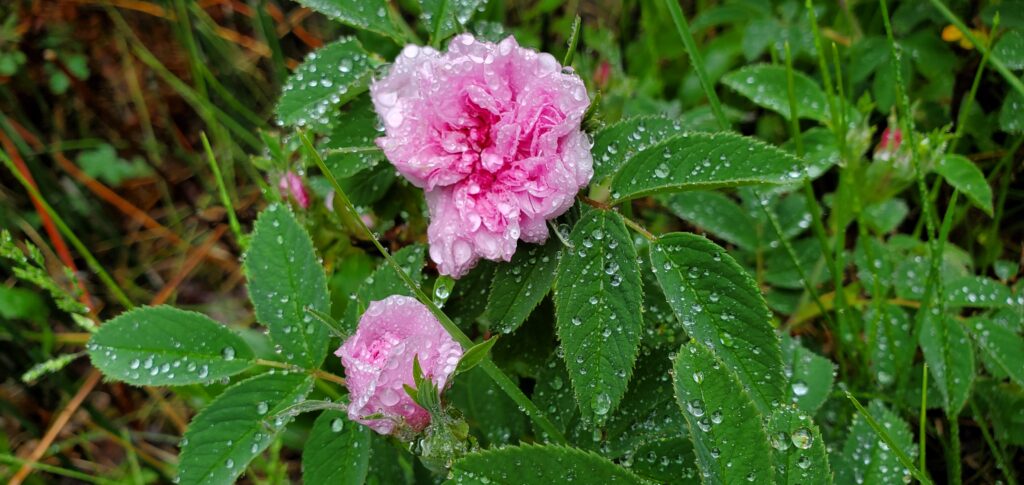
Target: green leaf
(385,282)
(811,376)
(799,450)
(370,185)
(1011,115)
(164,346)
(103,163)
(372,15)
(721,307)
(598,301)
(893,351)
(620,141)
(669,460)
(724,423)
(542,465)
(949,356)
(350,146)
(475,355)
(1010,49)
(767,86)
(286,278)
(703,161)
(520,285)
(966,177)
(456,14)
(978,292)
(718,214)
(329,77)
(885,216)
(337,451)
(491,415)
(866,458)
(1003,346)
(228,433)
(553,395)
(469,298)
(648,412)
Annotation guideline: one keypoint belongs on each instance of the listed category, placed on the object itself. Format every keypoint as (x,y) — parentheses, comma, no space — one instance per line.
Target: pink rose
(291,185)
(492,133)
(889,144)
(378,360)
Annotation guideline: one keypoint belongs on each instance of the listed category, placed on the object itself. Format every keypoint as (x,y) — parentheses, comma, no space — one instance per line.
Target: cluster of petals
(378,361)
(491,132)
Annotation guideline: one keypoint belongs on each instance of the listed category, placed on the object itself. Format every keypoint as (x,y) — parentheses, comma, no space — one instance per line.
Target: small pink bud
(602,74)
(378,360)
(891,139)
(291,185)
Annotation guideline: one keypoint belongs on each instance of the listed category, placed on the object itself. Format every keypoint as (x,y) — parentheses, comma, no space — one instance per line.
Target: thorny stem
(629,222)
(318,373)
(500,379)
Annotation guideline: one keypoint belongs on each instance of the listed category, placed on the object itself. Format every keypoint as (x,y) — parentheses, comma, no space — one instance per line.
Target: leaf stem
(503,381)
(996,451)
(880,431)
(225,198)
(997,63)
(683,28)
(922,419)
(318,373)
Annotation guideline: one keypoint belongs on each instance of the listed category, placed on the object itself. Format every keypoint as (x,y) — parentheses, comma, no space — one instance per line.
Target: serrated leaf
(893,349)
(337,451)
(950,358)
(885,216)
(164,346)
(703,161)
(286,278)
(978,292)
(369,15)
(329,77)
(966,177)
(724,423)
(228,433)
(491,415)
(648,412)
(350,146)
(544,465)
(469,298)
(669,460)
(620,141)
(866,458)
(370,185)
(553,395)
(799,450)
(716,213)
(521,284)
(811,376)
(721,307)
(1010,49)
(598,300)
(456,14)
(385,282)
(767,86)
(1011,115)
(1003,346)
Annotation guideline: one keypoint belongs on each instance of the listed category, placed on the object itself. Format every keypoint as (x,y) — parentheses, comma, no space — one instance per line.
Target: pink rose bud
(890,143)
(378,360)
(291,185)
(602,74)
(492,133)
